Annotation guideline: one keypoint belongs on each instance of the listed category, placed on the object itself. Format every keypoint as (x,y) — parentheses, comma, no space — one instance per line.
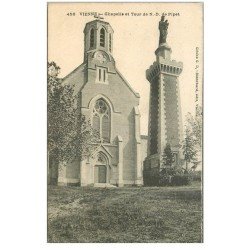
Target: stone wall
(144,145)
(171,102)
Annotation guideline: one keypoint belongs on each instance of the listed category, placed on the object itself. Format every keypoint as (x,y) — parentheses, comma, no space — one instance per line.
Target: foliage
(196,175)
(168,170)
(70,135)
(195,124)
(167,176)
(189,147)
(197,127)
(192,144)
(164,177)
(181,180)
(167,156)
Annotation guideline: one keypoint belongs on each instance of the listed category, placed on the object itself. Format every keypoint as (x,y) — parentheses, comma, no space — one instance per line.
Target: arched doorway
(101,170)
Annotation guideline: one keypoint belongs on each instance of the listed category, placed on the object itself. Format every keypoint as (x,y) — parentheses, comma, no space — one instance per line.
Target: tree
(192,144)
(167,171)
(195,125)
(168,157)
(70,135)
(189,147)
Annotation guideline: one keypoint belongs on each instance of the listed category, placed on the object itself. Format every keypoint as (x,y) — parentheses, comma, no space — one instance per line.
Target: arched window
(92,38)
(101,119)
(110,43)
(102,37)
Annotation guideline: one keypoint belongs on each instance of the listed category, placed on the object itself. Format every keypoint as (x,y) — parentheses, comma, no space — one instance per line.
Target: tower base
(152,166)
(151,169)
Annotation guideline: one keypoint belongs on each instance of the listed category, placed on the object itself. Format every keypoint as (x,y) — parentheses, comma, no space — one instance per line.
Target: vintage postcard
(125,122)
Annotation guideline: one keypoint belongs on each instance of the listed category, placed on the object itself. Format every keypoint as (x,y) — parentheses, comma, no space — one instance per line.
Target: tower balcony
(172,67)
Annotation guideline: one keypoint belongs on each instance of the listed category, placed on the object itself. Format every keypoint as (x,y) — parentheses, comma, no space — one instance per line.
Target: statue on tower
(163,27)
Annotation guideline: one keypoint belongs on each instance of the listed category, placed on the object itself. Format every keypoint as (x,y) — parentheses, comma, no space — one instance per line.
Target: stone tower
(165,120)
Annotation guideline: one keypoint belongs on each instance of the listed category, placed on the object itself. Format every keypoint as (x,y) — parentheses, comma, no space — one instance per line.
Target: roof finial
(98,16)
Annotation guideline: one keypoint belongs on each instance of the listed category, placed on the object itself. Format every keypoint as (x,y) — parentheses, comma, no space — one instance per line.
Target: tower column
(165,121)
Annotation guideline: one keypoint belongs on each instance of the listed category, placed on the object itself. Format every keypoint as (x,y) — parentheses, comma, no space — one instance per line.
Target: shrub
(181,180)
(170,176)
(196,175)
(166,175)
(163,177)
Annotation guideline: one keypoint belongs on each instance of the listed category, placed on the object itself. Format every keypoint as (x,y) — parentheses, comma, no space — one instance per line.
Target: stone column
(138,173)
(120,162)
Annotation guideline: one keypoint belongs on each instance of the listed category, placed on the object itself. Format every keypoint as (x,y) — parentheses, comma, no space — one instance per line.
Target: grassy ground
(146,214)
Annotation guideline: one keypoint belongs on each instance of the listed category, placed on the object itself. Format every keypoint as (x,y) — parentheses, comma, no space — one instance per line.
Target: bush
(172,176)
(165,176)
(196,175)
(181,180)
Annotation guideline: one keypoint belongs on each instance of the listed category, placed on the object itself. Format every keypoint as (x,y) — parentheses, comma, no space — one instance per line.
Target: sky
(135,40)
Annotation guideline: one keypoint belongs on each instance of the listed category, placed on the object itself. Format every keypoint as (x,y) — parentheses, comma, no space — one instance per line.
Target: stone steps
(104,185)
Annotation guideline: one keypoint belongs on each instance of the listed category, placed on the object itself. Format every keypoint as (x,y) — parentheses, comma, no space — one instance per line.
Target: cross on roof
(97,16)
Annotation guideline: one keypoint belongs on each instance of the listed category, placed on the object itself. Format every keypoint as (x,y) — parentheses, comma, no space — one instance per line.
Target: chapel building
(111,105)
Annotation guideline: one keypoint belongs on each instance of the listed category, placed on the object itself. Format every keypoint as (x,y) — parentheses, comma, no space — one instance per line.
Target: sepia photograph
(124,125)
(125,122)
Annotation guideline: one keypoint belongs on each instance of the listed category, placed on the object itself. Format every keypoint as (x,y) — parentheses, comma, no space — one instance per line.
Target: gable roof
(76,77)
(128,85)
(101,147)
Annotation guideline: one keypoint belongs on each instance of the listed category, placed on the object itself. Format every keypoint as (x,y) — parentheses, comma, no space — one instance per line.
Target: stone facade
(110,103)
(165,119)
